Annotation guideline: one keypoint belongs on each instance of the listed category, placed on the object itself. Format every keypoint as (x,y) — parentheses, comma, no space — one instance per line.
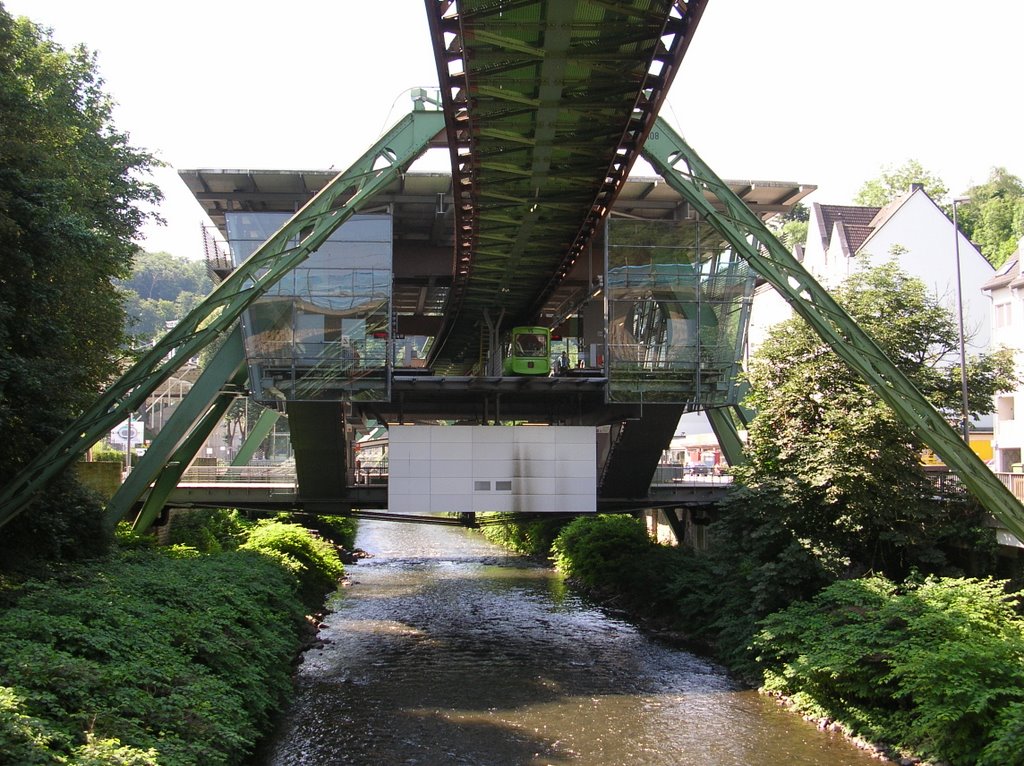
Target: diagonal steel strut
(288,247)
(691,177)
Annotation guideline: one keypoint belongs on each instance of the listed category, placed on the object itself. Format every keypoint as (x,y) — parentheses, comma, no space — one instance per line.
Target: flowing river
(444,649)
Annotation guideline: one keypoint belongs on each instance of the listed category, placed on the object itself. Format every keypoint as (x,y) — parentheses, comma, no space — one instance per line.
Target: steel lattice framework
(548,103)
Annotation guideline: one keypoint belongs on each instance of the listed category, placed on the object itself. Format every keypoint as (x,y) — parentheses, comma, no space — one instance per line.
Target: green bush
(146,659)
(314,562)
(614,555)
(104,454)
(340,530)
(207,530)
(530,538)
(937,668)
(64,524)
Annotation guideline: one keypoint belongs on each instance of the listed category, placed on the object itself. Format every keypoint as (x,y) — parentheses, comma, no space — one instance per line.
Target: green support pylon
(724,425)
(685,172)
(226,363)
(288,247)
(179,462)
(260,430)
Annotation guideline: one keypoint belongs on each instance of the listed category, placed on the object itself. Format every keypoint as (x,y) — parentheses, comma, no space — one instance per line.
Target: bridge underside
(547,104)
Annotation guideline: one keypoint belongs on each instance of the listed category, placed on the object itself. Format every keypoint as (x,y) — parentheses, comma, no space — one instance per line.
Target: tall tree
(894,182)
(162,288)
(72,197)
(843,472)
(993,217)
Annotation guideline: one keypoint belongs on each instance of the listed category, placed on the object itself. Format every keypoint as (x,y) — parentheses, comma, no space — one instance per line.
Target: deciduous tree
(843,472)
(894,182)
(72,197)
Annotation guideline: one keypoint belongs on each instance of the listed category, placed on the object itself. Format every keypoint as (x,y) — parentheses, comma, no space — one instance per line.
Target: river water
(443,649)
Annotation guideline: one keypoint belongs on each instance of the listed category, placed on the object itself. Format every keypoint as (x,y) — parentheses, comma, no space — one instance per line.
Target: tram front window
(529,344)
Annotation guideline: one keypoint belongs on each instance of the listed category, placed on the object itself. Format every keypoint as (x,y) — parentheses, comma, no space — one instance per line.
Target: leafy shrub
(530,538)
(65,523)
(145,659)
(613,554)
(207,530)
(937,667)
(103,454)
(340,530)
(314,562)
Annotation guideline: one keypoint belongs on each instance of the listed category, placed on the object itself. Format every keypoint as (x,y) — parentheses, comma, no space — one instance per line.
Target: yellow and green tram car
(529,351)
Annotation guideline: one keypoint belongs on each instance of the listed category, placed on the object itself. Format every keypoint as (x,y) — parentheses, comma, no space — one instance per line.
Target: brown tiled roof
(1008,274)
(855,218)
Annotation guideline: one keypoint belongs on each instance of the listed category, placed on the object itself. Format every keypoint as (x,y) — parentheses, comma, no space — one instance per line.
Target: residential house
(1006,291)
(915,231)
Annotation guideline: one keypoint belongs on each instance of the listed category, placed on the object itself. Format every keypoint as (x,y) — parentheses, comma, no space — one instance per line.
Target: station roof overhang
(422,210)
(422,199)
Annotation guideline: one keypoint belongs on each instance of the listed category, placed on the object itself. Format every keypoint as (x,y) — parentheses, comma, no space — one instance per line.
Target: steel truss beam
(229,359)
(169,477)
(691,177)
(723,423)
(262,428)
(288,247)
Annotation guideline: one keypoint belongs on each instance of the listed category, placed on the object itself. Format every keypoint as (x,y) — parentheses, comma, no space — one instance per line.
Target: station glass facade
(678,300)
(322,332)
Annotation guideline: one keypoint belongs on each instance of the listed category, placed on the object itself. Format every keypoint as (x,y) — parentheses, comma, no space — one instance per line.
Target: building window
(1003,314)
(482,486)
(1005,408)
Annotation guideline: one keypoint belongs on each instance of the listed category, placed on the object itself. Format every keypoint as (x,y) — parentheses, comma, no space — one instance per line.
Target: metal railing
(1013,482)
(274,473)
(668,473)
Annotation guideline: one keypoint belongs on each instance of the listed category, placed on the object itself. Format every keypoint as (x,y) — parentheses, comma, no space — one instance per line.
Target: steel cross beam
(692,178)
(171,474)
(226,363)
(289,246)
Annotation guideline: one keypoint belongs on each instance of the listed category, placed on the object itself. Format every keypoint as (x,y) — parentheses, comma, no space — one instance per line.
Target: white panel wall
(535,469)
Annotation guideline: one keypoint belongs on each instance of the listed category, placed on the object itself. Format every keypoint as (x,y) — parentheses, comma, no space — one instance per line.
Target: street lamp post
(965,413)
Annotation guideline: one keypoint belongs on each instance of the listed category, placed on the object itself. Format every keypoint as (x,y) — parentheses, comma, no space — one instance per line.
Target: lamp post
(965,413)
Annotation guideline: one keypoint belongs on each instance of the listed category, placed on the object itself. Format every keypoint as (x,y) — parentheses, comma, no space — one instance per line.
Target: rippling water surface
(446,650)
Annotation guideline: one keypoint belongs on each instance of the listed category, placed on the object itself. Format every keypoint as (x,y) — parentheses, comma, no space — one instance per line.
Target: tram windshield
(531,344)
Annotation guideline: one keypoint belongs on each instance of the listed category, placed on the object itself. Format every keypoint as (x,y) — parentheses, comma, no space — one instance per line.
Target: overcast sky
(809,91)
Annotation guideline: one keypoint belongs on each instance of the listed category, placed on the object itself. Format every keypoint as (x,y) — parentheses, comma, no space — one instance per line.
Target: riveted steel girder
(180,460)
(261,430)
(226,363)
(288,247)
(548,102)
(692,178)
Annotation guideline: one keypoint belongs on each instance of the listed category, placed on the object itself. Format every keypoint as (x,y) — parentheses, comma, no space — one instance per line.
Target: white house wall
(925,232)
(529,469)
(1008,436)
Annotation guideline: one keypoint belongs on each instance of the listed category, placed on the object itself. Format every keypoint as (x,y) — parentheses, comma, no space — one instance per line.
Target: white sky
(823,92)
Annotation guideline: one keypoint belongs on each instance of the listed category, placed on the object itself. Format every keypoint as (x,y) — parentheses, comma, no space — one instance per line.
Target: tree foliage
(894,182)
(791,229)
(993,216)
(162,288)
(842,469)
(936,666)
(71,200)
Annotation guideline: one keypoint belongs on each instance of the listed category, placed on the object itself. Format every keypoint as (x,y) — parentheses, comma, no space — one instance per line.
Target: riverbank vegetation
(174,655)
(834,576)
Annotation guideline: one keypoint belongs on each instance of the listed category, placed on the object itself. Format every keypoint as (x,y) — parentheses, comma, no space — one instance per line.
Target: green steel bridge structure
(544,106)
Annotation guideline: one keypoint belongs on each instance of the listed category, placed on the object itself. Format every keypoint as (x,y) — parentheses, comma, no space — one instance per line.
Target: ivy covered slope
(159,656)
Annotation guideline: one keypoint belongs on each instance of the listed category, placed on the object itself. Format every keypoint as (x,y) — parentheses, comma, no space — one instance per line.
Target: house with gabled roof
(915,231)
(1006,290)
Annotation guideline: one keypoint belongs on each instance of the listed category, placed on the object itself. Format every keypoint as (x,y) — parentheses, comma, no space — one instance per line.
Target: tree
(791,229)
(71,200)
(843,473)
(162,288)
(993,218)
(894,182)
